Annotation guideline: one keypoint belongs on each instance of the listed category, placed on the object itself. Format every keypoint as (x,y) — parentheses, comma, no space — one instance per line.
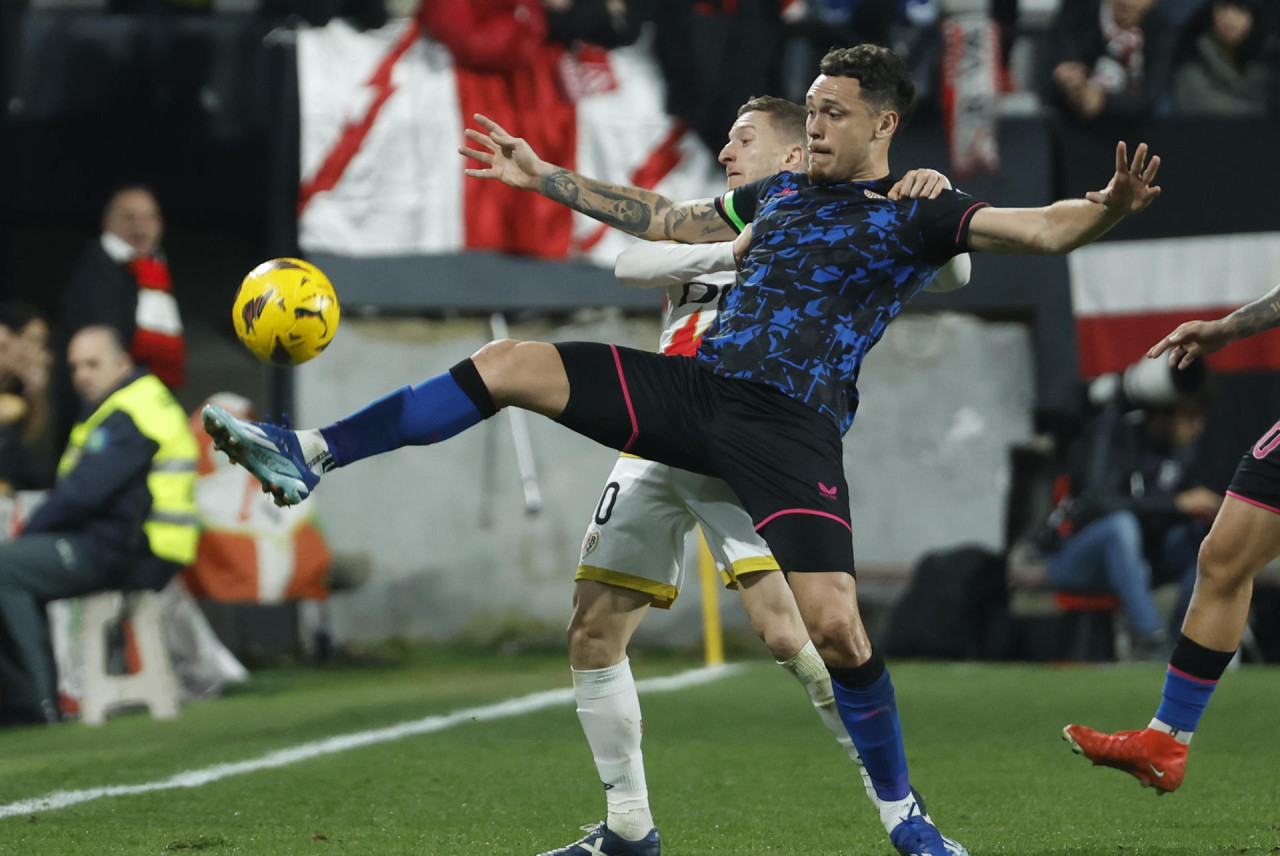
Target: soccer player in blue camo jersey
(828,263)
(631,554)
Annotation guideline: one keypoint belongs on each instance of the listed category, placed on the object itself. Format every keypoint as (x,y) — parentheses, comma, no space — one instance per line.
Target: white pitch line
(341,743)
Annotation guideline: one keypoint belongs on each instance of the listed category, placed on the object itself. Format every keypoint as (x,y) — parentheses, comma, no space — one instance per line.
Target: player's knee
(784,639)
(594,642)
(1220,565)
(833,634)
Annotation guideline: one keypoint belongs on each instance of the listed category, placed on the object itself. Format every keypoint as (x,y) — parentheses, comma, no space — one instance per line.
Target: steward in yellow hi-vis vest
(120,516)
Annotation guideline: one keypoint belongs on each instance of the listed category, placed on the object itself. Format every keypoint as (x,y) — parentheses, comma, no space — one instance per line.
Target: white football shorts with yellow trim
(637,532)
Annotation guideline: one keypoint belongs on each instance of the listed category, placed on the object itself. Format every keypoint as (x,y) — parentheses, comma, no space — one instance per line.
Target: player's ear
(794,158)
(887,125)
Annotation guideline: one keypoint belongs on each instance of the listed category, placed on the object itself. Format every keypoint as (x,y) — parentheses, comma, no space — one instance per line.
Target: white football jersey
(689,310)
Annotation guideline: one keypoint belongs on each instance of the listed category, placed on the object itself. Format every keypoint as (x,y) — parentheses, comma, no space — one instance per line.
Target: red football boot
(1154,758)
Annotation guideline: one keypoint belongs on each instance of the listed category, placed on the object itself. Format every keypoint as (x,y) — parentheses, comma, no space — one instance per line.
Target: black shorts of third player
(781,457)
(1257,478)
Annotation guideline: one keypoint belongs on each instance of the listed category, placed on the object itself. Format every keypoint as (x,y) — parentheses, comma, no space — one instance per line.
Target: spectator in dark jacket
(1133,514)
(1113,57)
(1229,64)
(121,515)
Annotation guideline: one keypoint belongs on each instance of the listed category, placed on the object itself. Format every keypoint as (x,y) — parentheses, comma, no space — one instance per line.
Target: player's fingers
(1149,174)
(934,187)
(483,139)
(1139,159)
(1098,196)
(479,173)
(483,157)
(1122,157)
(1160,347)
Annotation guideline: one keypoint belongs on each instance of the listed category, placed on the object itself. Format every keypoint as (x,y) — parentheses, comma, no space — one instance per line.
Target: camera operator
(1131,513)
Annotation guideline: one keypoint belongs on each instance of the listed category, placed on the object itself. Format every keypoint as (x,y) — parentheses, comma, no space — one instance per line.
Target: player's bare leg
(529,375)
(604,618)
(1244,538)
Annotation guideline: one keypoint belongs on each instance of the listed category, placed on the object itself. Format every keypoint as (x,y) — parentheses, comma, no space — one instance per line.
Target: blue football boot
(917,836)
(601,841)
(270,452)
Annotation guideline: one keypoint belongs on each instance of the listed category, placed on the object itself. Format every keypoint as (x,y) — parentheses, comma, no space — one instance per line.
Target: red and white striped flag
(383,113)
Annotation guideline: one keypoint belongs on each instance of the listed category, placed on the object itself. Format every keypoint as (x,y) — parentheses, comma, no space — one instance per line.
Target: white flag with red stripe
(382,115)
(1126,295)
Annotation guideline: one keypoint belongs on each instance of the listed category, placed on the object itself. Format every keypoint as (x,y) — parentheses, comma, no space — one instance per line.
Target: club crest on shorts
(590,543)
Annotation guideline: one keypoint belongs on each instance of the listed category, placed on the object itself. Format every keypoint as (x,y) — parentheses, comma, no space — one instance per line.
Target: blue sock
(870,713)
(1184,699)
(1189,683)
(432,411)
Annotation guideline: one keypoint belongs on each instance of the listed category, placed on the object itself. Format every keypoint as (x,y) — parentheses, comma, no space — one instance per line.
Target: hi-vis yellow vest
(172,528)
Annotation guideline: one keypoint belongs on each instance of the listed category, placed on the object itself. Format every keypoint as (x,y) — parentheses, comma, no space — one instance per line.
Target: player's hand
(509,159)
(1130,189)
(1192,340)
(1199,502)
(919,184)
(741,245)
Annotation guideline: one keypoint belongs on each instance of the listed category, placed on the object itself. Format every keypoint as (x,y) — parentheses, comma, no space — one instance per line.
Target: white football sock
(812,674)
(315,450)
(893,813)
(1177,734)
(609,710)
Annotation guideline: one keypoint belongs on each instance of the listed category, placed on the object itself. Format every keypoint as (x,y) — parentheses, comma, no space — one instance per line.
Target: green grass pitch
(738,766)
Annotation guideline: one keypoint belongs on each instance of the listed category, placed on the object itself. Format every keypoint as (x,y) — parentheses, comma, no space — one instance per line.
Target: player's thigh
(635,537)
(1245,534)
(730,534)
(1243,539)
(785,462)
(530,375)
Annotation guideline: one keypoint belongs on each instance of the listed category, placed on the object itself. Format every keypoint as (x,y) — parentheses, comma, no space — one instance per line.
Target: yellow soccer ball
(286,312)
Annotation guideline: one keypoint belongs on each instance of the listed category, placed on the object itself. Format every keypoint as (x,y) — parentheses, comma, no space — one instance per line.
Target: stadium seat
(1089,627)
(150,681)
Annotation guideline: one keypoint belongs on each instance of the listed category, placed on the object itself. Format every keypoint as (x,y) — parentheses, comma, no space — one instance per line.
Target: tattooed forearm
(627,208)
(1256,317)
(632,209)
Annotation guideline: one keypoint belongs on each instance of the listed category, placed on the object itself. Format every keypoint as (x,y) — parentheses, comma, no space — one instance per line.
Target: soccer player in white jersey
(631,555)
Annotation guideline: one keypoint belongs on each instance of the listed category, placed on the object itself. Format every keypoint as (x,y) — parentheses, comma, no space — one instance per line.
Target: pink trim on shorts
(967,215)
(770,518)
(1204,681)
(626,396)
(1235,495)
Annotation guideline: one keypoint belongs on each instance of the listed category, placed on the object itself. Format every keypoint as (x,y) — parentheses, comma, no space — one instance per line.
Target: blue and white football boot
(270,452)
(915,835)
(602,841)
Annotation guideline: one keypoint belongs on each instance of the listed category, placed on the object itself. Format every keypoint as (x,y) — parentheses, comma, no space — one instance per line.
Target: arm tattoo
(1256,317)
(635,210)
(629,209)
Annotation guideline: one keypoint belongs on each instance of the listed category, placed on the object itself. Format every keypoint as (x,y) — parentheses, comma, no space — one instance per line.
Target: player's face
(134,216)
(755,149)
(841,128)
(97,366)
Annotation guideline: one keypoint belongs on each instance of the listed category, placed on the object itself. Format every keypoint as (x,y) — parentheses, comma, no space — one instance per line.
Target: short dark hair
(786,116)
(885,79)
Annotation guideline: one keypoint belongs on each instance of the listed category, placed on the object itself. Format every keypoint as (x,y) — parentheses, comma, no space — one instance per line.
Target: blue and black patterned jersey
(829,267)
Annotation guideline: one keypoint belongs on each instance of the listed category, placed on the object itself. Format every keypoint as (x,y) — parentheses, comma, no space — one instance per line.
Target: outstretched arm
(1071,223)
(641,212)
(1198,338)
(655,265)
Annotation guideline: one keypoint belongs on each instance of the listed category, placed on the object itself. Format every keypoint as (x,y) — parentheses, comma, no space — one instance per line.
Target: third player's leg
(604,618)
(1244,538)
(772,611)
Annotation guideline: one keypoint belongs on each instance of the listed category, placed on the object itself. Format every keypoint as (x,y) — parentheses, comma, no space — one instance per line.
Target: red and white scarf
(157,338)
